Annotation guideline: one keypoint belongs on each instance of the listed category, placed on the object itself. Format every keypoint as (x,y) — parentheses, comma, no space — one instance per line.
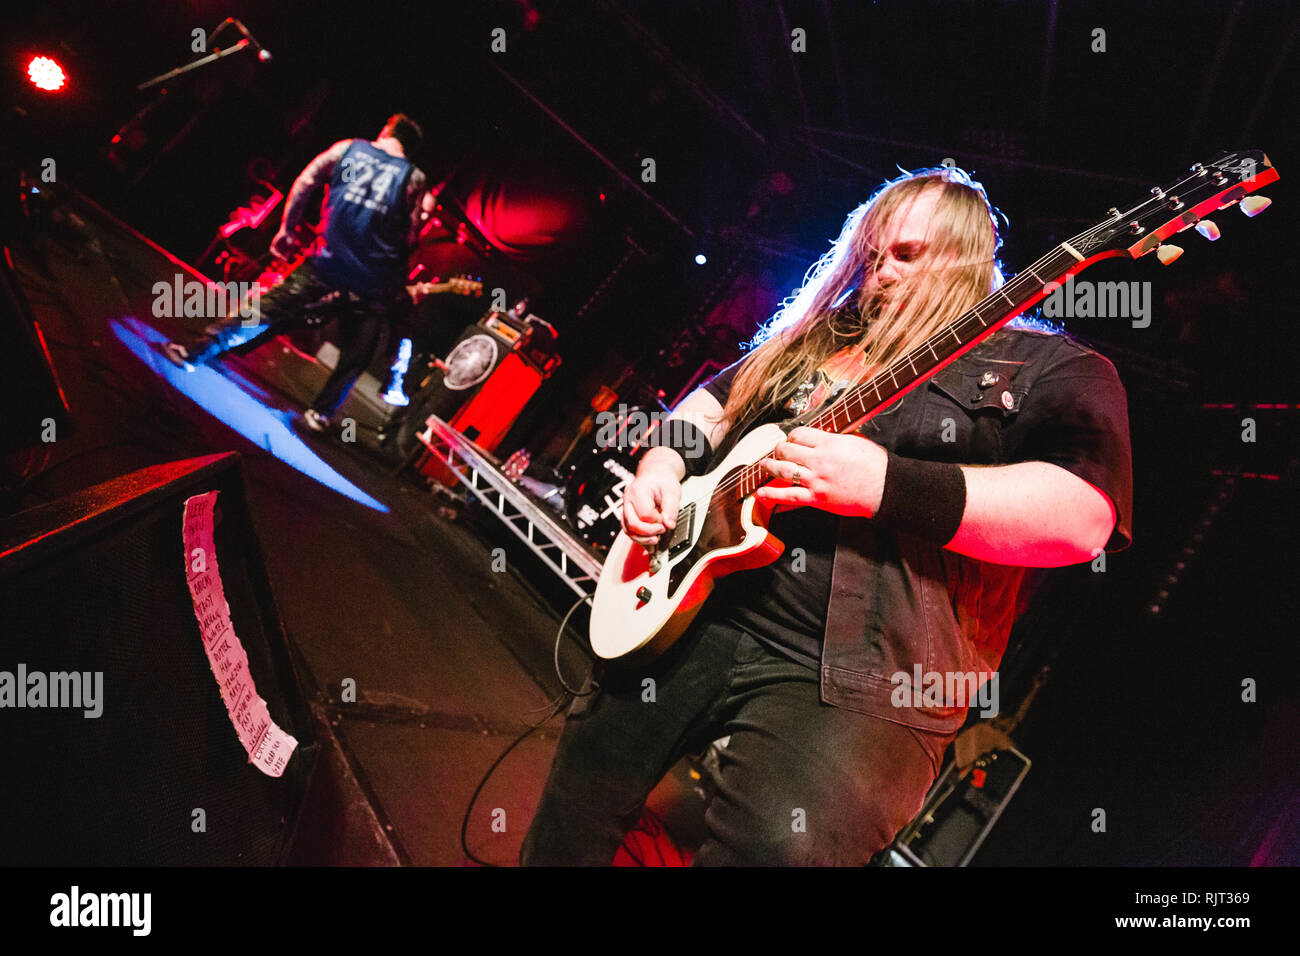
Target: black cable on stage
(464,825)
(558,636)
(560,703)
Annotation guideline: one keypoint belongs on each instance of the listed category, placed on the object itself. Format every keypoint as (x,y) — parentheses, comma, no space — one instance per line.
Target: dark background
(760,154)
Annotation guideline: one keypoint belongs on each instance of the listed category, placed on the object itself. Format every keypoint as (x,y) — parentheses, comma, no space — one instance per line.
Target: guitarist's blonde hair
(825,314)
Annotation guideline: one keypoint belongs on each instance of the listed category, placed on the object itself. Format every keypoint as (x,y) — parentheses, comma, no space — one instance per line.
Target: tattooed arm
(316,174)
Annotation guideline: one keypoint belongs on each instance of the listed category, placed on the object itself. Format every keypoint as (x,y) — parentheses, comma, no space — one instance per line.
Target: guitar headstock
(458,285)
(465,285)
(1227,180)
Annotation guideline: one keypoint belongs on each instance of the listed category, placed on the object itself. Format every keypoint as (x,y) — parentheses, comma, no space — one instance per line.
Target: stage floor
(376,578)
(380,581)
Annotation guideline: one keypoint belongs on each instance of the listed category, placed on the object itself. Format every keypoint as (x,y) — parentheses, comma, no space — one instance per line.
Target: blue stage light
(268,428)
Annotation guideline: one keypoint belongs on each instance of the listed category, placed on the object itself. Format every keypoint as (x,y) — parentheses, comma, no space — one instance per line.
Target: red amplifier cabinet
(500,399)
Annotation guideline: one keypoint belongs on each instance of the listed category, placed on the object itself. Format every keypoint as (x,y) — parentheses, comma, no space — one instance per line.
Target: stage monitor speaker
(486,417)
(500,400)
(95,584)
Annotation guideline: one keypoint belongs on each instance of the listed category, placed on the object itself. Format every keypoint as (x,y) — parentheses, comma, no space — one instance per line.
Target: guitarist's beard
(901,313)
(882,321)
(850,323)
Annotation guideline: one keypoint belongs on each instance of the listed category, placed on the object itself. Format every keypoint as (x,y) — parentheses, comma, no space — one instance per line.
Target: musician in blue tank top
(366,219)
(375,204)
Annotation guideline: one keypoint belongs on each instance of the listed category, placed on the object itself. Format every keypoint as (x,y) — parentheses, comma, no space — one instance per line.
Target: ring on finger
(796,478)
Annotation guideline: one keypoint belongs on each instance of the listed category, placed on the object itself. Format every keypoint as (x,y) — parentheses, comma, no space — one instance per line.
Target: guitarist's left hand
(842,474)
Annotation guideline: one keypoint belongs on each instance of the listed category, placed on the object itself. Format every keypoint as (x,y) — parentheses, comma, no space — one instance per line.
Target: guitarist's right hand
(651,500)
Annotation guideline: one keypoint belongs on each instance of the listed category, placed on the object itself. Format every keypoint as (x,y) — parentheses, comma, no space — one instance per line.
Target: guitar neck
(895,380)
(948,344)
(1227,180)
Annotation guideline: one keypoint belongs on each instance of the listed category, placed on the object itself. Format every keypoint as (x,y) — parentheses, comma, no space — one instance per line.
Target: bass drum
(593,493)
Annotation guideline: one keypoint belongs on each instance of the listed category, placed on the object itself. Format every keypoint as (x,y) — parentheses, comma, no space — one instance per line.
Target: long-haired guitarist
(840,672)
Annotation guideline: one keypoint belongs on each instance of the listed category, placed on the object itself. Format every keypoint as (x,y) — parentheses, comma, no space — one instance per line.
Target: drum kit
(593,477)
(594,488)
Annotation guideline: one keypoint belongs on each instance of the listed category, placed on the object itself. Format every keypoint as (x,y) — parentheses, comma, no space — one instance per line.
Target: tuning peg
(1208,229)
(1253,205)
(1167,253)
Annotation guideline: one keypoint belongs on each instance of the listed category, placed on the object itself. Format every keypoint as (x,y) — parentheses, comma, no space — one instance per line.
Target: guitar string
(723,492)
(728,485)
(873,384)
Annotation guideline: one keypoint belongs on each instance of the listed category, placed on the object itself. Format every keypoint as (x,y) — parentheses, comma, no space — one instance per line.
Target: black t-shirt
(1074,415)
(782,604)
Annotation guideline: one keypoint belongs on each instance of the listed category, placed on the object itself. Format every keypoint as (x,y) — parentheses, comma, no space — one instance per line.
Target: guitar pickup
(683,532)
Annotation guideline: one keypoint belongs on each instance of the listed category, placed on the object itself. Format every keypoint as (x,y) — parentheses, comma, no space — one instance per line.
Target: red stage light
(46,74)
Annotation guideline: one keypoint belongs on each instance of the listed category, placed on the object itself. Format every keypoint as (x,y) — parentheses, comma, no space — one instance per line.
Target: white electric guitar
(645,600)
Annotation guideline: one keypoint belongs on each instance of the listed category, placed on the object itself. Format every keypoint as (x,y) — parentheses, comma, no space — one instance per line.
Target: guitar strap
(831,380)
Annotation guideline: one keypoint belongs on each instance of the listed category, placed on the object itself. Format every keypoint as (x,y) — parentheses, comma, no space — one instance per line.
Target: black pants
(801,782)
(282,308)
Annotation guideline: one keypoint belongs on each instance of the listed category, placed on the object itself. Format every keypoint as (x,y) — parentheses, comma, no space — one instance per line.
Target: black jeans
(801,782)
(283,307)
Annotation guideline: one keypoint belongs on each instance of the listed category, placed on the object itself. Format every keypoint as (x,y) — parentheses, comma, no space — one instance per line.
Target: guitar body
(638,610)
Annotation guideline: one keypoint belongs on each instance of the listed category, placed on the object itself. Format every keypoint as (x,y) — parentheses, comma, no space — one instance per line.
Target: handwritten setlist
(268,747)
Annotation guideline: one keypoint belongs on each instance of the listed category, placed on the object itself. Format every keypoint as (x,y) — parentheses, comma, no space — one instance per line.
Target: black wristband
(688,441)
(925,499)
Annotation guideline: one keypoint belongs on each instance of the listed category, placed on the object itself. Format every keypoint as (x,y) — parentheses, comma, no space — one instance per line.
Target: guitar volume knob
(643,594)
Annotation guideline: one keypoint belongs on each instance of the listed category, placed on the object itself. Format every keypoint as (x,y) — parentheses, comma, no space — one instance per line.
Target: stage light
(46,74)
(241,405)
(394,395)
(701,258)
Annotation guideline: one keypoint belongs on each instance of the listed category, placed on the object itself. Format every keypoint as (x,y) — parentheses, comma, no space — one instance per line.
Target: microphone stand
(218,53)
(203,61)
(212,57)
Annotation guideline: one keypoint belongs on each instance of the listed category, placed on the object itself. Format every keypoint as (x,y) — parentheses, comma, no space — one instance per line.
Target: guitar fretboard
(903,374)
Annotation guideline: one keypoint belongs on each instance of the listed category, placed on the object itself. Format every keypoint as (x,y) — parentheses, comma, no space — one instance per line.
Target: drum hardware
(602,401)
(596,481)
